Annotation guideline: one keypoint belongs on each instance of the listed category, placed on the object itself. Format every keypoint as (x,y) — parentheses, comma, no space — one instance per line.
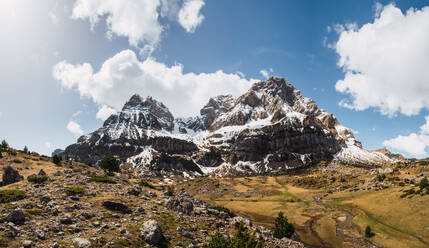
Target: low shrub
(75,191)
(102,179)
(11,195)
(37,178)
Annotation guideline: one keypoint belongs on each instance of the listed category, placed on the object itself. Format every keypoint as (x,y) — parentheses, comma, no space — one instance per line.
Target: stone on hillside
(151,233)
(116,206)
(27,244)
(66,219)
(11,175)
(17,216)
(182,231)
(81,243)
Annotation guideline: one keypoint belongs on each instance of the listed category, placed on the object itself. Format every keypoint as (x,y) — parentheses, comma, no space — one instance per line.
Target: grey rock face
(11,175)
(151,233)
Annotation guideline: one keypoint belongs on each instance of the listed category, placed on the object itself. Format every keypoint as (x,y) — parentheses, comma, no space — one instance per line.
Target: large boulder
(151,233)
(17,216)
(117,207)
(11,175)
(81,243)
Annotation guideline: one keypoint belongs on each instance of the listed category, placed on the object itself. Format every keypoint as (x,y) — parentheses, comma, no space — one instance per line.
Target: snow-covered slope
(270,128)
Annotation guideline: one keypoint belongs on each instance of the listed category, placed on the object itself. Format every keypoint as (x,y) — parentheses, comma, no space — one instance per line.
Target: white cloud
(414,144)
(266,73)
(105,112)
(124,75)
(189,15)
(386,62)
(74,128)
(138,20)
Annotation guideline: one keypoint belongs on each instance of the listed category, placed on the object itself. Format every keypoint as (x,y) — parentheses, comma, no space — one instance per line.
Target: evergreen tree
(109,164)
(368,232)
(56,159)
(283,228)
(4,144)
(25,150)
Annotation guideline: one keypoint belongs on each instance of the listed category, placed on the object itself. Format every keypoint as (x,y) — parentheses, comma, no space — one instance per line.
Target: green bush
(368,232)
(11,195)
(282,227)
(12,153)
(109,164)
(75,191)
(16,161)
(241,239)
(37,178)
(381,177)
(102,179)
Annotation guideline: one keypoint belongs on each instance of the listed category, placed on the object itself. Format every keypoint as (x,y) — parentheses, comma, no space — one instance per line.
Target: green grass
(102,179)
(75,191)
(33,212)
(11,195)
(37,178)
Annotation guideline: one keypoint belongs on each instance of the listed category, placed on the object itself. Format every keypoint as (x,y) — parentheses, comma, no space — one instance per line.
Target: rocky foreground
(76,208)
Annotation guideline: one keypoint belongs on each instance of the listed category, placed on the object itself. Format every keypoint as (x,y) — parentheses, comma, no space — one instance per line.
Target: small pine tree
(4,144)
(283,228)
(368,232)
(109,164)
(424,183)
(25,150)
(56,159)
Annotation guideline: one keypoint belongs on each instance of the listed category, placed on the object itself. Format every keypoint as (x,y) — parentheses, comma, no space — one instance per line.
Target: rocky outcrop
(11,175)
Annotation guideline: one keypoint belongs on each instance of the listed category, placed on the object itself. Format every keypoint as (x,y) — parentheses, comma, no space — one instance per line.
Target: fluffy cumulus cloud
(189,16)
(124,75)
(105,112)
(414,144)
(74,128)
(386,62)
(139,20)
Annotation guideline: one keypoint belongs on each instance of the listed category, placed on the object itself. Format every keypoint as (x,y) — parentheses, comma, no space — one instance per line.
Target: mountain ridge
(270,128)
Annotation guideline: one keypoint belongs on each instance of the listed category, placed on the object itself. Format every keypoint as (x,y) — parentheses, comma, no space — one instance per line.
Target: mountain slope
(270,128)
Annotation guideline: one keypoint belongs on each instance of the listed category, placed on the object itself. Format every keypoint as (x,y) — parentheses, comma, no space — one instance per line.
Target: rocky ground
(73,208)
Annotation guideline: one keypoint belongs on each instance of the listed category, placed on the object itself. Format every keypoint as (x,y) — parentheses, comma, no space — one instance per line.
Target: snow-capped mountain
(270,128)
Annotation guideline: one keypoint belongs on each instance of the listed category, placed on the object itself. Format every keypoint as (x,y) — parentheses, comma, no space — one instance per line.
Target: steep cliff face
(270,128)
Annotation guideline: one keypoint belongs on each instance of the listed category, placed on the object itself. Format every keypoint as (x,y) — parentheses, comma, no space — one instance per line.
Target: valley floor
(330,206)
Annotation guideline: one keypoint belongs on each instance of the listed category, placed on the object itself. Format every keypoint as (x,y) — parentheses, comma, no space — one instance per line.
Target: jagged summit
(270,128)
(144,114)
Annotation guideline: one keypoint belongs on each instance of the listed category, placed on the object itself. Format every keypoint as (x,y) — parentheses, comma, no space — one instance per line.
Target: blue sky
(298,40)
